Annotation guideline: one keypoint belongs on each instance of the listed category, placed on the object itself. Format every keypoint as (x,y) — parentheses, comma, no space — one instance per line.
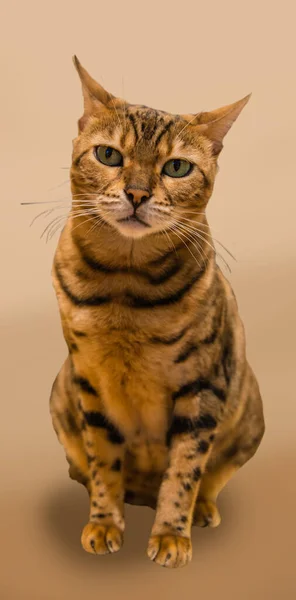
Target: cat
(156,403)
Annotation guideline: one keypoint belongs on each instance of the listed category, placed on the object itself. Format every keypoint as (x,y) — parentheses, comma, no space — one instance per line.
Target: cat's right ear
(95,97)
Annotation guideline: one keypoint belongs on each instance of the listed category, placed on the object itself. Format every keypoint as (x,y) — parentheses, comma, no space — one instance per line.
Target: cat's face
(141,170)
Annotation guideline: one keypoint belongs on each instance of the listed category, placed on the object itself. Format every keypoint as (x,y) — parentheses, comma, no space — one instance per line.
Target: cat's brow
(165,130)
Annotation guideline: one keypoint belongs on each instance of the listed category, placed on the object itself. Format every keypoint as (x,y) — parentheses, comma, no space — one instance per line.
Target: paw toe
(169,550)
(101,539)
(206,514)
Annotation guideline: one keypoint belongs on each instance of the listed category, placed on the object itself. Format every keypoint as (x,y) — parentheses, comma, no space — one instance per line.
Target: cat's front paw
(170,550)
(101,539)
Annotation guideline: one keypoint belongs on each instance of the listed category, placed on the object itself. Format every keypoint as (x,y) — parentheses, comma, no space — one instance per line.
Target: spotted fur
(156,403)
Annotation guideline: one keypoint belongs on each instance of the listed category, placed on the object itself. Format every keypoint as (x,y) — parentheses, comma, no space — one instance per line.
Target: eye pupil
(108,156)
(177,167)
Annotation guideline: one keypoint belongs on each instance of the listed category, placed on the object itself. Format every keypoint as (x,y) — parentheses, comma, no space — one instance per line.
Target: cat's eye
(177,167)
(108,156)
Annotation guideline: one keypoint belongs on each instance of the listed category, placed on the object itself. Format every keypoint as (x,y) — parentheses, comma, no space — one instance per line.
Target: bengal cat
(156,403)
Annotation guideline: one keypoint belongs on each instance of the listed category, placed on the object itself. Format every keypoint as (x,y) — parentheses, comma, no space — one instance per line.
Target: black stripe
(94,263)
(78,159)
(184,425)
(165,276)
(143,302)
(186,352)
(206,180)
(135,301)
(216,325)
(179,426)
(195,387)
(116,465)
(206,421)
(202,446)
(68,422)
(78,301)
(133,122)
(73,347)
(226,359)
(79,333)
(151,128)
(196,475)
(207,385)
(164,130)
(85,385)
(192,388)
(171,340)
(154,279)
(161,259)
(210,338)
(97,419)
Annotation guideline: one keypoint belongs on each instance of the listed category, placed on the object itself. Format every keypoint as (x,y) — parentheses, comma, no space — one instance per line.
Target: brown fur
(156,403)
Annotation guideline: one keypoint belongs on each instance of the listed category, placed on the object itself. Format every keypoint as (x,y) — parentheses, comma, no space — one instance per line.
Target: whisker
(125,106)
(171,243)
(57,219)
(53,230)
(59,185)
(86,196)
(47,212)
(111,98)
(72,215)
(195,233)
(209,235)
(48,227)
(218,254)
(190,238)
(41,202)
(59,223)
(84,222)
(182,240)
(187,125)
(98,221)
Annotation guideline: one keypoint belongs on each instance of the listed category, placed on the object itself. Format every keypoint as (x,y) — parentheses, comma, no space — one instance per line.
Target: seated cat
(156,403)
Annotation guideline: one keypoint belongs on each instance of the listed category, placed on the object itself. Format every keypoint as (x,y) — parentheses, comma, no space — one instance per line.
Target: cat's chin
(133,228)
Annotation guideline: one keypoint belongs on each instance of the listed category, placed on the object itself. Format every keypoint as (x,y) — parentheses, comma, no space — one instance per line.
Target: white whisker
(190,237)
(182,240)
(187,125)
(59,185)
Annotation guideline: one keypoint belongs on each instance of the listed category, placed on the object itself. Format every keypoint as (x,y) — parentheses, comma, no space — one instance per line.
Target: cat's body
(156,403)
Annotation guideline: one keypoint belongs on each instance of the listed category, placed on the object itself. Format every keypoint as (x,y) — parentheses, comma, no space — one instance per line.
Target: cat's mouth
(134,221)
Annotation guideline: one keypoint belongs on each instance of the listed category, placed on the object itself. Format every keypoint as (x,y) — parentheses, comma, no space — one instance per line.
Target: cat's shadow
(64,513)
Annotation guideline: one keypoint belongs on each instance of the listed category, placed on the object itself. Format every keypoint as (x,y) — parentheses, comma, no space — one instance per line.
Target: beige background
(179,57)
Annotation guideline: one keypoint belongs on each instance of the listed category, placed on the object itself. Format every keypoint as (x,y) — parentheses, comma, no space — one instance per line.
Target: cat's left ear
(216,123)
(95,97)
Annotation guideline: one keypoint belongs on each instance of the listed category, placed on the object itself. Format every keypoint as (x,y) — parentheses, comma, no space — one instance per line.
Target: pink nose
(137,196)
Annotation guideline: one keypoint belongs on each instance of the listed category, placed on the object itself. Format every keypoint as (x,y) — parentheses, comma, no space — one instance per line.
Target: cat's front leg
(190,439)
(105,448)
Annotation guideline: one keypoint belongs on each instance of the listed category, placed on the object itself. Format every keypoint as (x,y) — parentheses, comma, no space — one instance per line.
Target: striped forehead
(150,125)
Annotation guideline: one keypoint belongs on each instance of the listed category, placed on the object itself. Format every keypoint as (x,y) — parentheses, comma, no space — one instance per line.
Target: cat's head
(143,170)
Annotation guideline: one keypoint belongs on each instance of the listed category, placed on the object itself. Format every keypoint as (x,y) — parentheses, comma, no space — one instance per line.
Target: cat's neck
(107,245)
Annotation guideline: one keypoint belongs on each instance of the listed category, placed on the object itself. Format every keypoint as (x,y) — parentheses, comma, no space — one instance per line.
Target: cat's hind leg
(206,512)
(240,447)
(68,424)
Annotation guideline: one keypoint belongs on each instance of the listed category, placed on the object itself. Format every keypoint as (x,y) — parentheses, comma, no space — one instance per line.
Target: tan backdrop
(181,57)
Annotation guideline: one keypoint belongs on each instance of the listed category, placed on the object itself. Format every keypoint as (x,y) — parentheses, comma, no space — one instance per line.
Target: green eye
(177,168)
(108,156)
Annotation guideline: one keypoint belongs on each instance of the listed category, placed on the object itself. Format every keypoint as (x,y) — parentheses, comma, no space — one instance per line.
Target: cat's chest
(126,344)
(132,371)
